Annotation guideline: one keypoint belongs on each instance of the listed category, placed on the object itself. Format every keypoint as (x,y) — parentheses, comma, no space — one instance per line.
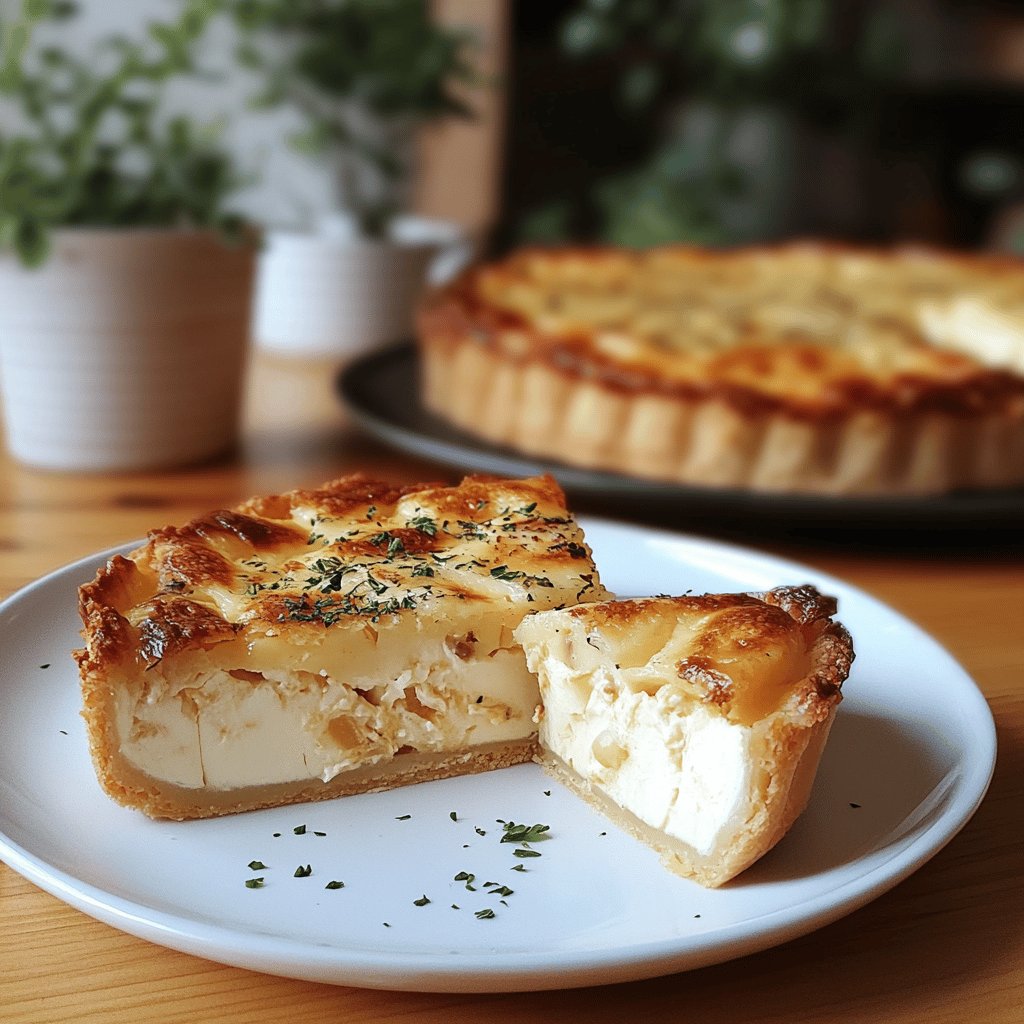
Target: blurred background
(373,145)
(645,121)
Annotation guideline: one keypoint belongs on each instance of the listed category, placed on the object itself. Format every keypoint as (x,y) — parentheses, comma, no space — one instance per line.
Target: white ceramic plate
(908,762)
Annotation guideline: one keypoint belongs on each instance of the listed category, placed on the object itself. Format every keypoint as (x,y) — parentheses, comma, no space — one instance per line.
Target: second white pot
(334,297)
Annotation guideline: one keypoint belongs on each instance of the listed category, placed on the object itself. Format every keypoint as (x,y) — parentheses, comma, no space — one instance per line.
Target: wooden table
(945,946)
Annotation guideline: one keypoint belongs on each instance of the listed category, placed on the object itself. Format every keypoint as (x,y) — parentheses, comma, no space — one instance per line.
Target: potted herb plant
(365,75)
(124,300)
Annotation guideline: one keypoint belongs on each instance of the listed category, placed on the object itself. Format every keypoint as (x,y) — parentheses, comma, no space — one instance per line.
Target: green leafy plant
(717,77)
(365,74)
(91,145)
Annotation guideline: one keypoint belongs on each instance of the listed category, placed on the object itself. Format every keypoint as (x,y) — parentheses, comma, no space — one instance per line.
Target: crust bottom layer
(133,788)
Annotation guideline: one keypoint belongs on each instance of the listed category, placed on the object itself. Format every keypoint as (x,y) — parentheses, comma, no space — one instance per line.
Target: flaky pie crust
(805,368)
(788,737)
(235,576)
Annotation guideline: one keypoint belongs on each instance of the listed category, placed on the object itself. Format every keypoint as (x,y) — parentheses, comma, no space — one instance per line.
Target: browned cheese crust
(773,663)
(302,591)
(804,368)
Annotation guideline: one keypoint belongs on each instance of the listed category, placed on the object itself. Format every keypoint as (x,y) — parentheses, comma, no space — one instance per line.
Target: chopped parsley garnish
(525,853)
(394,544)
(453,815)
(376,585)
(571,548)
(299,830)
(422,569)
(328,611)
(484,914)
(335,884)
(304,871)
(470,530)
(421,902)
(257,865)
(503,572)
(524,833)
(519,867)
(425,525)
(403,817)
(254,883)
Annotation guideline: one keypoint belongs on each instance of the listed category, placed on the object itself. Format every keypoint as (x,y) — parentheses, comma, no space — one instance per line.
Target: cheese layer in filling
(324,642)
(696,722)
(213,725)
(683,769)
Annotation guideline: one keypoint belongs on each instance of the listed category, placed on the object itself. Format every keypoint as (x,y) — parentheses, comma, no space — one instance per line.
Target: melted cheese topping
(303,635)
(656,702)
(756,317)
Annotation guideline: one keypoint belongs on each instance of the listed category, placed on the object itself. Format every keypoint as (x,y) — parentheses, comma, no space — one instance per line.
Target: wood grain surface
(945,946)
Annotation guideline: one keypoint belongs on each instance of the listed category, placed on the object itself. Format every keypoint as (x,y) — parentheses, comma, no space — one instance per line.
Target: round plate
(381,391)
(908,762)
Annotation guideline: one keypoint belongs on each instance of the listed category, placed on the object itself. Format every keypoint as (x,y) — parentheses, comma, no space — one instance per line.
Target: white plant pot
(125,350)
(333,295)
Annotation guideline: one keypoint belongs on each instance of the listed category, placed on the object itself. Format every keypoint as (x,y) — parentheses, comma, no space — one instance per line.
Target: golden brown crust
(162,800)
(294,592)
(771,664)
(729,632)
(592,357)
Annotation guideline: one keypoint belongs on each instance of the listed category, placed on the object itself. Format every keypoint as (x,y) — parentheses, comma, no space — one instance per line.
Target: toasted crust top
(349,555)
(810,329)
(749,655)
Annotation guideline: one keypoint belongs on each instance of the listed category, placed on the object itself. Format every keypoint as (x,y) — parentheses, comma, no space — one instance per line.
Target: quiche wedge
(323,642)
(696,723)
(800,368)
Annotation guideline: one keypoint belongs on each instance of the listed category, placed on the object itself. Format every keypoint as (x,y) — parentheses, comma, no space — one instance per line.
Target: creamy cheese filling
(679,766)
(226,728)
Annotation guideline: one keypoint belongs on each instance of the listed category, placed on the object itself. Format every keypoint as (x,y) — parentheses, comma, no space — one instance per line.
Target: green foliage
(787,62)
(364,74)
(91,147)
(801,53)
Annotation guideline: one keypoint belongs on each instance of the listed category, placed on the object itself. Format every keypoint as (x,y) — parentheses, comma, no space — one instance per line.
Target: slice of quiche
(697,723)
(324,642)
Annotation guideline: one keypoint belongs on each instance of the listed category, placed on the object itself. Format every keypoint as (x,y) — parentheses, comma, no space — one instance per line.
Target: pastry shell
(802,368)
